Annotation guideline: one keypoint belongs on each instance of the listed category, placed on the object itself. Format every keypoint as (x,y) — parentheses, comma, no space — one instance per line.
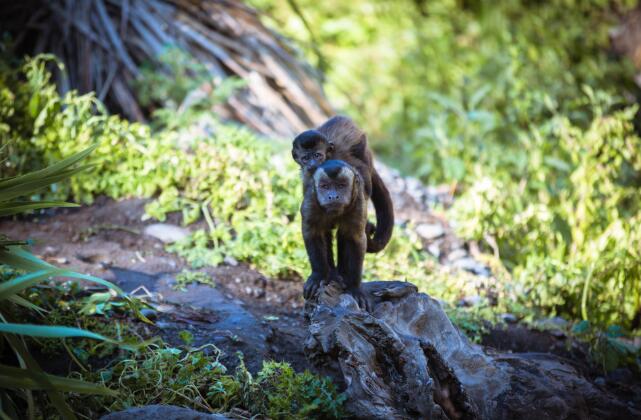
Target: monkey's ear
(330,146)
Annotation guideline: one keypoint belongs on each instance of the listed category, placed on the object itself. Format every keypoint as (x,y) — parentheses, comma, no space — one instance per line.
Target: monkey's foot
(311,286)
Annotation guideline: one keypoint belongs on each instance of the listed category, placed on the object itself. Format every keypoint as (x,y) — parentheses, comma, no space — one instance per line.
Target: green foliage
(168,85)
(21,271)
(469,78)
(187,277)
(609,349)
(520,105)
(195,378)
(569,232)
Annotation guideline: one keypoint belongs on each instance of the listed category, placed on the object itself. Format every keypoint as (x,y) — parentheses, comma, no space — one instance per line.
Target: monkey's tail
(384,215)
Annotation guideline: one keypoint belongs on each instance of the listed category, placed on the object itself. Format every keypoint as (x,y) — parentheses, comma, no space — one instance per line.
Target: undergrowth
(193,377)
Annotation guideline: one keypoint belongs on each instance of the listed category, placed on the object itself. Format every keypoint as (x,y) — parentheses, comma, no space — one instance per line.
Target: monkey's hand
(360,298)
(311,285)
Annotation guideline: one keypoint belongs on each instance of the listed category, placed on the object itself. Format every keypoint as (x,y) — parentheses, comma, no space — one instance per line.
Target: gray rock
(473,266)
(470,300)
(430,231)
(509,318)
(229,260)
(434,249)
(457,254)
(166,232)
(405,359)
(164,412)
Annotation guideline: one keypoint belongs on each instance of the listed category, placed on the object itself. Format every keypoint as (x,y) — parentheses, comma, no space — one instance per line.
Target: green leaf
(26,187)
(16,285)
(50,331)
(12,377)
(48,171)
(581,327)
(15,207)
(19,300)
(19,258)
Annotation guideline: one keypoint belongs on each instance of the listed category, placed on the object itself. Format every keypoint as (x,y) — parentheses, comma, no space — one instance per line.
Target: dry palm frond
(103,44)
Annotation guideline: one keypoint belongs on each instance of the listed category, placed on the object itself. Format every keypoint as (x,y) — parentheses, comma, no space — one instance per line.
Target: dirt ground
(245,311)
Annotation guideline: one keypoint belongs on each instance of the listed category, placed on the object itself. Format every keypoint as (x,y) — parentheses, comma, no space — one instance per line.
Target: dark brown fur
(318,224)
(340,138)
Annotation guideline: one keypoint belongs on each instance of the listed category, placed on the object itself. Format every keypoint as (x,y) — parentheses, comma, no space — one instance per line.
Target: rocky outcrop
(407,360)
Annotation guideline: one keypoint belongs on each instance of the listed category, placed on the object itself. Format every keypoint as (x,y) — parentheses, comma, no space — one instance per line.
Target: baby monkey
(335,199)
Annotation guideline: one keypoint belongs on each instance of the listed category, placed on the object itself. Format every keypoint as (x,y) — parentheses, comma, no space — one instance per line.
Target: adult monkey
(340,139)
(334,198)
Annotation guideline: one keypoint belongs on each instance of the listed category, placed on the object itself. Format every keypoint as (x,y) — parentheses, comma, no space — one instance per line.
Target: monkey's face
(334,183)
(310,149)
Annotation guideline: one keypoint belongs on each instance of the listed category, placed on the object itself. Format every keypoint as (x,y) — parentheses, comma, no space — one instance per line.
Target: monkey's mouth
(333,207)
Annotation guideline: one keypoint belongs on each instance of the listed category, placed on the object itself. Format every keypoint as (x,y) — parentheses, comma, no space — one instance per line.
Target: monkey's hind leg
(351,253)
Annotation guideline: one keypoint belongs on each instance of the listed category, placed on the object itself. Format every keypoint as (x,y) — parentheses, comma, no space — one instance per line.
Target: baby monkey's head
(310,149)
(335,184)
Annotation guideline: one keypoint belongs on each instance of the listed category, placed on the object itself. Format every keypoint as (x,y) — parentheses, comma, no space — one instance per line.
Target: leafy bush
(570,231)
(194,378)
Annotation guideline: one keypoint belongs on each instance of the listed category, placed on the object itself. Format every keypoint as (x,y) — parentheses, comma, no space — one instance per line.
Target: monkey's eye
(305,158)
(342,185)
(324,186)
(317,155)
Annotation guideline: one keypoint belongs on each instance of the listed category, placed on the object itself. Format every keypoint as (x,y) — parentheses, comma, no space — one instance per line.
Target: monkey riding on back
(338,180)
(339,138)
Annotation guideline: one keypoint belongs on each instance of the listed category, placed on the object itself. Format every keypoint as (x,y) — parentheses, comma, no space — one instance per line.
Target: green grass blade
(19,258)
(10,208)
(29,363)
(14,377)
(20,301)
(18,284)
(56,331)
(16,259)
(48,171)
(27,256)
(50,331)
(29,187)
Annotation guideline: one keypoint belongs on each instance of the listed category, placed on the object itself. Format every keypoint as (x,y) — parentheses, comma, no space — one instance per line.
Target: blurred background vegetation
(527,109)
(523,105)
